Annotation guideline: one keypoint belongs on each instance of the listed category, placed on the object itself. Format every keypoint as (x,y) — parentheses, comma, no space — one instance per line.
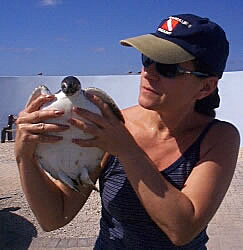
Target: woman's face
(163,94)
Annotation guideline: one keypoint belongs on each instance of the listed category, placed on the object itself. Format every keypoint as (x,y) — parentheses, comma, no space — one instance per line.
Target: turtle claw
(95,188)
(68,181)
(73,184)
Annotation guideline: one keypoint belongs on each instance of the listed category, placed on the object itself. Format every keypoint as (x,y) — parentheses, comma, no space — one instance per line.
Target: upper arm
(210,179)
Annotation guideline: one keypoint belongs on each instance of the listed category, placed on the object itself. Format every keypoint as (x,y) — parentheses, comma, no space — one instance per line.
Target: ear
(209,84)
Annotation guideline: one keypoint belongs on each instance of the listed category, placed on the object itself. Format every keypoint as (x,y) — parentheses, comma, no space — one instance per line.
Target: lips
(148,89)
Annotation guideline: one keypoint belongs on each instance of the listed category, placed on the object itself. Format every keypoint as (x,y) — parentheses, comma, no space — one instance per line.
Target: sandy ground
(17,220)
(85,224)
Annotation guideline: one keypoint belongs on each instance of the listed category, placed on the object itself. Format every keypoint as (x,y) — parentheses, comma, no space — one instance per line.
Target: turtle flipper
(85,179)
(73,184)
(107,99)
(68,181)
(40,90)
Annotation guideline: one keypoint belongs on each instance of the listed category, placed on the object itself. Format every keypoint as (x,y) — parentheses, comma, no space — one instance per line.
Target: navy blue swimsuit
(124,223)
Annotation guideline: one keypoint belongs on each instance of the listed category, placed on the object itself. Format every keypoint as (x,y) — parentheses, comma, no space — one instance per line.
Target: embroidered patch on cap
(169,25)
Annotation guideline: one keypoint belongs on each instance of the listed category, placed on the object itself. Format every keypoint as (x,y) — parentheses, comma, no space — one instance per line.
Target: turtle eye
(64,87)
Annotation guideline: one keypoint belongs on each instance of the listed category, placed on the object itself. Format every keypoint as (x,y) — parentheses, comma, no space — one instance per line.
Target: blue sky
(78,37)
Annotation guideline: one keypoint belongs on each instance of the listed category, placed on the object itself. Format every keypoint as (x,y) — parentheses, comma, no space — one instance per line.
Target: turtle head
(70,85)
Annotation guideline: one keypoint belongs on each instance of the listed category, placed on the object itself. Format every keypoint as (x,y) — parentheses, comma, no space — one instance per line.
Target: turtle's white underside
(65,160)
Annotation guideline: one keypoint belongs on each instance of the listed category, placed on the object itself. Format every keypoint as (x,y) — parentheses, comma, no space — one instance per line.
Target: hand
(31,129)
(110,133)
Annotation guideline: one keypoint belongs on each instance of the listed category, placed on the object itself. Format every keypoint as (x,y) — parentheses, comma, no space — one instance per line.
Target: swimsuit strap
(205,131)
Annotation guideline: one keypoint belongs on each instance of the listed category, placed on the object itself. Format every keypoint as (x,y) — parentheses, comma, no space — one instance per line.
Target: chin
(147,104)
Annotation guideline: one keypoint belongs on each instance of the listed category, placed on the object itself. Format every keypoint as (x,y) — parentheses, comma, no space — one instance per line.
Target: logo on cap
(169,25)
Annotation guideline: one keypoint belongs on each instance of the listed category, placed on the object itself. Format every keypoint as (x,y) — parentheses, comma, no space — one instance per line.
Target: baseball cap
(185,37)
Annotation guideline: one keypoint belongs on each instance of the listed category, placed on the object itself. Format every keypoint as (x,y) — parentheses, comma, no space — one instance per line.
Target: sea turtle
(64,160)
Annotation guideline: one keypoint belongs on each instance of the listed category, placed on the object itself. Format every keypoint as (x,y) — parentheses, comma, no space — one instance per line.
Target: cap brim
(158,49)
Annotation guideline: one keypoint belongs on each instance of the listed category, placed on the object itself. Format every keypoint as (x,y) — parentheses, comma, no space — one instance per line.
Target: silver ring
(41,126)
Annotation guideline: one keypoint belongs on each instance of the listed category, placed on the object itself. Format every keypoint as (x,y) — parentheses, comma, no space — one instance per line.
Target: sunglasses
(170,70)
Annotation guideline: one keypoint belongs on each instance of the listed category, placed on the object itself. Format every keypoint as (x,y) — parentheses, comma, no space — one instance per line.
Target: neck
(171,124)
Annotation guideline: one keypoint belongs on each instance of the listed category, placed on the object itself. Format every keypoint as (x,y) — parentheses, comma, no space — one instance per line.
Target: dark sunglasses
(170,70)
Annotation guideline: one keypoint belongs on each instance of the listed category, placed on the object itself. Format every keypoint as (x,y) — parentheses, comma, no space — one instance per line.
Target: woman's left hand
(110,133)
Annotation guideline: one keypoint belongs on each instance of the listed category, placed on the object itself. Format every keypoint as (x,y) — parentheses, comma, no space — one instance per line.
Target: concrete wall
(123,89)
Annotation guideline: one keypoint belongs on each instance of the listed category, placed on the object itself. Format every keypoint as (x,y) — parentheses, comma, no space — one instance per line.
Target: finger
(86,142)
(92,117)
(98,102)
(41,138)
(49,138)
(41,128)
(85,127)
(38,102)
(108,110)
(38,116)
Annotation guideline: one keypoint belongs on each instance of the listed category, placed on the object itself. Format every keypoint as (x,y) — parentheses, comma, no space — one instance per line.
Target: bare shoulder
(222,137)
(226,127)
(221,147)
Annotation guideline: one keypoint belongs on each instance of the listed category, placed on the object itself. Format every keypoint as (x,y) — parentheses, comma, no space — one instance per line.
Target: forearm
(43,196)
(52,204)
(169,208)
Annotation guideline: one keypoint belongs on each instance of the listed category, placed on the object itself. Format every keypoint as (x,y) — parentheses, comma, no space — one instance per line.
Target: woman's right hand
(31,128)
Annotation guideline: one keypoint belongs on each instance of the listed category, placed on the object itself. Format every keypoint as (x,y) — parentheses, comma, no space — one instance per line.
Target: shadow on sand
(15,231)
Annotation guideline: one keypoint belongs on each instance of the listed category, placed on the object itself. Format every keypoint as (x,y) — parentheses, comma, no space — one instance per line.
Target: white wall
(123,89)
(231,105)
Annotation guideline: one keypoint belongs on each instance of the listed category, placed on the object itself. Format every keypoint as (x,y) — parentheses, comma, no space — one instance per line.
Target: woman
(169,166)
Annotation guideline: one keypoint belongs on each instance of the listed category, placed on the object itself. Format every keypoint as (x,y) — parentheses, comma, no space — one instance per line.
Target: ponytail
(207,105)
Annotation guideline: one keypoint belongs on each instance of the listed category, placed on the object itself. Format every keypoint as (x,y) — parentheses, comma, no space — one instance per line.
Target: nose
(150,72)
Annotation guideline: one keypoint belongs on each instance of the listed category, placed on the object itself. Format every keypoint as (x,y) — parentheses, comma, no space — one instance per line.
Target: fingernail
(77,109)
(71,121)
(59,112)
(49,96)
(65,126)
(90,96)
